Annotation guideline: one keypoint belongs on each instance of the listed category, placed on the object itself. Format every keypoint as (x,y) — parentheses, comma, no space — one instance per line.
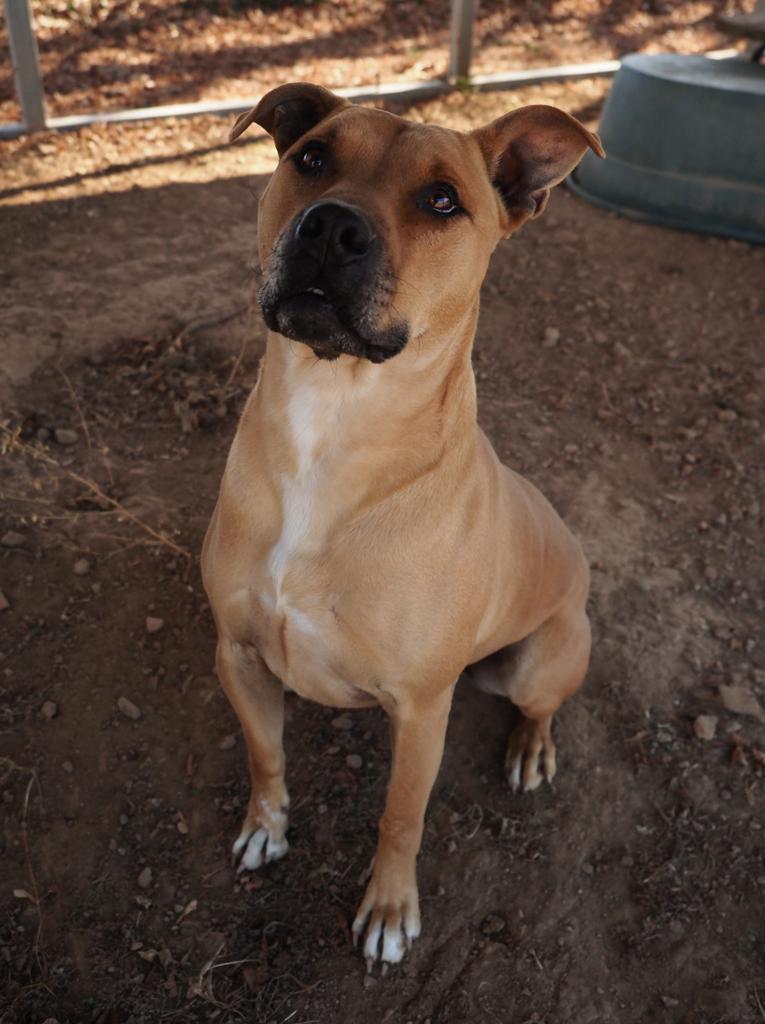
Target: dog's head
(374,229)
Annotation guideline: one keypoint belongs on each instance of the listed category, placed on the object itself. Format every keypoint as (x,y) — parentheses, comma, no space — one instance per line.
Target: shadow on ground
(618,366)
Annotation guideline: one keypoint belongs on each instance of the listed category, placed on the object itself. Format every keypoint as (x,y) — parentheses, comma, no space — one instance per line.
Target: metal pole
(461,45)
(26,64)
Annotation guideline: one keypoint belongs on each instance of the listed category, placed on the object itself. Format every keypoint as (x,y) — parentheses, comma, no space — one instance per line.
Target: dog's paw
(529,747)
(258,846)
(388,920)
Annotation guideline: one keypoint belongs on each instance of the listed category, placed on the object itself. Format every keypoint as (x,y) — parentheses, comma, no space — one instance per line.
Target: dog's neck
(395,418)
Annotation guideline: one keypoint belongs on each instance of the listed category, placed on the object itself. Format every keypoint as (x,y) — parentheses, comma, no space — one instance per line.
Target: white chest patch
(298,491)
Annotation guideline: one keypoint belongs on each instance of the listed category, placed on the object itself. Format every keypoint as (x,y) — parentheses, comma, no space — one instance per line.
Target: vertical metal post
(26,65)
(461,46)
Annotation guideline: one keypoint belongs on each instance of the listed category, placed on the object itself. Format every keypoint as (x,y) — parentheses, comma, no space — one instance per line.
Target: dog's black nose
(334,233)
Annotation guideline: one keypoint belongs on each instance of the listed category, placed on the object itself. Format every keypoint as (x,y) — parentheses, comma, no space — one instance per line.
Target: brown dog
(367,545)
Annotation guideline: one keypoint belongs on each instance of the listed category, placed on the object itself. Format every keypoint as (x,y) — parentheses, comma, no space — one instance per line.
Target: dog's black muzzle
(327,285)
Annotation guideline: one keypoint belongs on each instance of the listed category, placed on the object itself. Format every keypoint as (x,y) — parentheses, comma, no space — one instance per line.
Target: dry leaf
(22,894)
(741,701)
(190,907)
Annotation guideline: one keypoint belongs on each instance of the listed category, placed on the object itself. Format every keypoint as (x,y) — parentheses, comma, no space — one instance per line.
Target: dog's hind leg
(551,666)
(258,699)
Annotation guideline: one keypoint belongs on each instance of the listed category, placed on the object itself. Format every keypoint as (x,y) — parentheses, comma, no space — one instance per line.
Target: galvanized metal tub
(685,145)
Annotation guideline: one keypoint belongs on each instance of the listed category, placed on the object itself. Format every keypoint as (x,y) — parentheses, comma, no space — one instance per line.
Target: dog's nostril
(354,239)
(311,226)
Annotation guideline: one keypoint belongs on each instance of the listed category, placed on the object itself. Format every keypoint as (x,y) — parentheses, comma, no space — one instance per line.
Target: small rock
(49,709)
(153,625)
(493,925)
(68,767)
(342,722)
(12,539)
(5,604)
(81,567)
(144,879)
(65,436)
(354,761)
(129,709)
(552,337)
(622,351)
(42,435)
(227,743)
(705,727)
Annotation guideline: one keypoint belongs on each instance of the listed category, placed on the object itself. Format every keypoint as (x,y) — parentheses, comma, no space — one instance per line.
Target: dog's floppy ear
(288,112)
(529,151)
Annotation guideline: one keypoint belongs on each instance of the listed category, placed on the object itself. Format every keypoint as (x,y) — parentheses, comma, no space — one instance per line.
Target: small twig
(239,358)
(206,321)
(607,396)
(15,442)
(25,839)
(77,406)
(7,768)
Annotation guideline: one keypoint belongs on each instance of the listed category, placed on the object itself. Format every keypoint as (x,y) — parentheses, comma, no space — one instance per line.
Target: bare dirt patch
(619,366)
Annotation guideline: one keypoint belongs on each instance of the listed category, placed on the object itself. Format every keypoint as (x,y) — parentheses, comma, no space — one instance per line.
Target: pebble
(144,879)
(42,435)
(129,709)
(65,436)
(552,337)
(342,722)
(12,539)
(5,604)
(741,701)
(49,709)
(81,567)
(354,761)
(705,727)
(68,767)
(227,743)
(493,924)
(153,625)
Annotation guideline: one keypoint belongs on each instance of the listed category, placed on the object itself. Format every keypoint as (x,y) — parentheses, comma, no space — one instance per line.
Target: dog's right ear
(288,112)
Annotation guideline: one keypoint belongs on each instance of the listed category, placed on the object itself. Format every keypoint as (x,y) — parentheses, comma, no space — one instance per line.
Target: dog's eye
(312,158)
(442,200)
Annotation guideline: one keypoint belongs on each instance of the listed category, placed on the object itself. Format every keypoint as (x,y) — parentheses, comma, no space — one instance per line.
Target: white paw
(530,757)
(389,933)
(254,848)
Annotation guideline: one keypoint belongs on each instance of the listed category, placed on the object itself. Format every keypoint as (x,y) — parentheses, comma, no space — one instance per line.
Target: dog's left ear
(288,112)
(530,151)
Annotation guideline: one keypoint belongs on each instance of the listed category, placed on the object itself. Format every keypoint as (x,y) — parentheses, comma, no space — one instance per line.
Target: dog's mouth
(321,320)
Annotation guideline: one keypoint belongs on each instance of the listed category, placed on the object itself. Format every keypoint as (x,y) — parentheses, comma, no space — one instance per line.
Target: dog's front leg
(257,696)
(390,909)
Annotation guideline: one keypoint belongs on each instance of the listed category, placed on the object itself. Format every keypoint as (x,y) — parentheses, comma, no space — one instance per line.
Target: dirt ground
(620,367)
(116,54)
